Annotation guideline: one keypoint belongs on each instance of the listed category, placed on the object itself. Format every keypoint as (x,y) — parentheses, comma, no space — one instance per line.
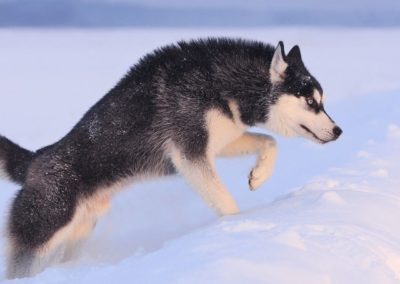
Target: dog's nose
(337,131)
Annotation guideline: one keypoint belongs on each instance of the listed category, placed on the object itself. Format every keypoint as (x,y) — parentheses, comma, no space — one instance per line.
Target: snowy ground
(330,214)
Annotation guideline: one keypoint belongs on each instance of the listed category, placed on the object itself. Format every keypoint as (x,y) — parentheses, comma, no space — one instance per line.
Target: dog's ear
(294,56)
(295,53)
(278,64)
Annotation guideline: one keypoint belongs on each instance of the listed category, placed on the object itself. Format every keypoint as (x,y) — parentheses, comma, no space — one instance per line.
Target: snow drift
(328,215)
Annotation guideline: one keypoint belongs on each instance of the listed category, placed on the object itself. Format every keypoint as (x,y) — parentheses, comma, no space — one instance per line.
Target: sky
(265,4)
(206,13)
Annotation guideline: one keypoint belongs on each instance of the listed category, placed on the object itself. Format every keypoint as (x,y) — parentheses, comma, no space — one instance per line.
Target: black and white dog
(174,112)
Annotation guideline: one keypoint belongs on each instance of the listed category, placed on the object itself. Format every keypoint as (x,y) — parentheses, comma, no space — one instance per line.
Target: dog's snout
(337,131)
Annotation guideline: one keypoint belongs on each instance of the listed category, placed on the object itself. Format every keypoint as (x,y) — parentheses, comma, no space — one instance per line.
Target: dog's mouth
(316,138)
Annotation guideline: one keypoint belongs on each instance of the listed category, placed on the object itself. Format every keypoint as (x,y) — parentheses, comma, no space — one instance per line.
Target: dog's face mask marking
(299,108)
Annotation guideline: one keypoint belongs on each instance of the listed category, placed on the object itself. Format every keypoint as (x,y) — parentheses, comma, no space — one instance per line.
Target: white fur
(278,65)
(286,116)
(222,130)
(317,96)
(280,116)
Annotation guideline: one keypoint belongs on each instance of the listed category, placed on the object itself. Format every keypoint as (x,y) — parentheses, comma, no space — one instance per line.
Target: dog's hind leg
(84,222)
(262,145)
(37,214)
(43,228)
(201,174)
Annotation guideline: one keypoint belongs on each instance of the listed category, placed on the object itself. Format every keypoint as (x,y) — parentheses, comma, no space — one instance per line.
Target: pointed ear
(295,53)
(278,64)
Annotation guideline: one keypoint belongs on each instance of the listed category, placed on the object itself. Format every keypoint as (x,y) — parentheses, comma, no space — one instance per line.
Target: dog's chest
(222,130)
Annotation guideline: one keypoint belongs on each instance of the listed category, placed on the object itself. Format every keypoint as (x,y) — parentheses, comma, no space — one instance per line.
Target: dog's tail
(14,161)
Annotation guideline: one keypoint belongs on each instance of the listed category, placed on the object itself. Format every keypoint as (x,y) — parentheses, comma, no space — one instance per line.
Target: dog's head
(298,108)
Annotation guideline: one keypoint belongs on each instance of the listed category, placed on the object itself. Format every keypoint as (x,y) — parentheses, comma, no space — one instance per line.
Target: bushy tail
(14,161)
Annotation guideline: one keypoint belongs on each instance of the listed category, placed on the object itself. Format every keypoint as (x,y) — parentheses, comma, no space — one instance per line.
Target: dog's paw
(229,208)
(260,173)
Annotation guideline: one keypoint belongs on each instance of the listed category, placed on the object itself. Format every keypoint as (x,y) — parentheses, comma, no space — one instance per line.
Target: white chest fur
(222,129)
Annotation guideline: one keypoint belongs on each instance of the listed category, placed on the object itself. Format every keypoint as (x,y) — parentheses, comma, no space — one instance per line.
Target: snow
(329,214)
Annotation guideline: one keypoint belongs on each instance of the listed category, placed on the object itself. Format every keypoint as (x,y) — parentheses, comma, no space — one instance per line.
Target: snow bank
(341,227)
(328,215)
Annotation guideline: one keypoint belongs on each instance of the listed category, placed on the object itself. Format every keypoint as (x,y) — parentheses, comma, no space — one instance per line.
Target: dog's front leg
(202,176)
(262,145)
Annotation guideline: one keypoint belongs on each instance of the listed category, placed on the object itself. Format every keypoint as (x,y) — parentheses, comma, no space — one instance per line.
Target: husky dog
(174,112)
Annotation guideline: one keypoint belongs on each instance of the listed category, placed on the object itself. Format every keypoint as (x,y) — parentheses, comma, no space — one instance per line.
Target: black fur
(163,97)
(15,158)
(298,80)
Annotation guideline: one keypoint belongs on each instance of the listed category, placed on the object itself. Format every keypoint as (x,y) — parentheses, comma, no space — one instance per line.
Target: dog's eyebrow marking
(317,96)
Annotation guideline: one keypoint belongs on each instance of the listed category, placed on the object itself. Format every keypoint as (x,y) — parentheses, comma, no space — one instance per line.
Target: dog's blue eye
(310,101)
